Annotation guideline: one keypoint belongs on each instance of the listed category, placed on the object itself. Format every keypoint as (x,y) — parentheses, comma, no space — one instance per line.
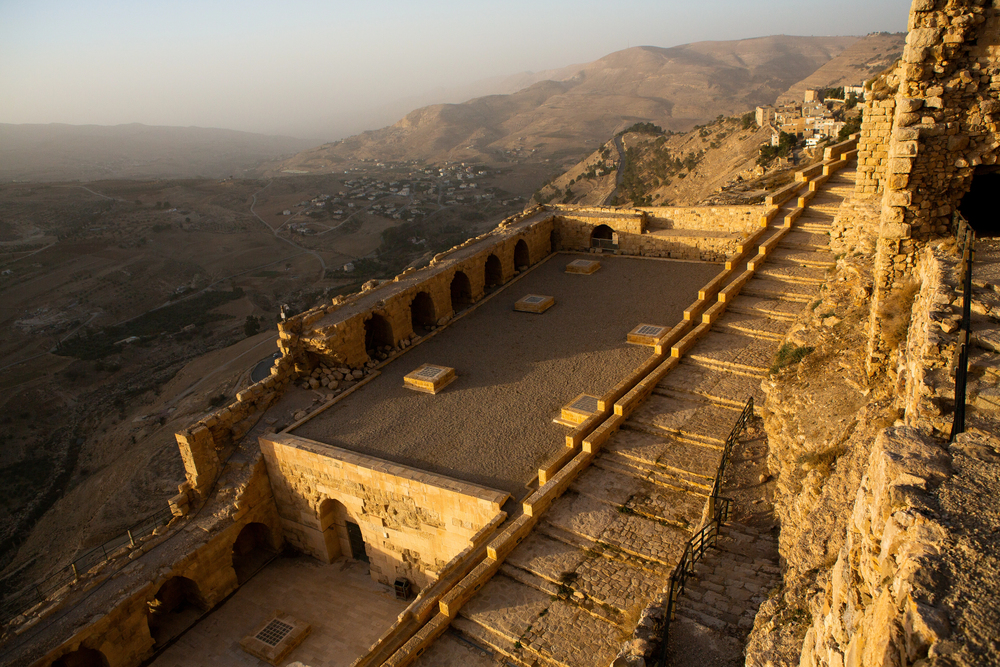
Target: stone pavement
(346,609)
(572,592)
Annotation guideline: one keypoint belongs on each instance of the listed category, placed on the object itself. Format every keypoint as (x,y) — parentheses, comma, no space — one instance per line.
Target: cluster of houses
(811,119)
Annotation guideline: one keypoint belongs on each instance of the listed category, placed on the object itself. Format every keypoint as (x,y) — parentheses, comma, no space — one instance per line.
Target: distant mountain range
(556,115)
(58,152)
(570,111)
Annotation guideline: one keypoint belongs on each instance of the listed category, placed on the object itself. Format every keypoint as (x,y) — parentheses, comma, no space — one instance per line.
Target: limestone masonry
(836,305)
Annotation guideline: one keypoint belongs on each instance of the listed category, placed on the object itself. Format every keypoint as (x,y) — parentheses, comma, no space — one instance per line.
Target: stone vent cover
(585,404)
(430,373)
(274,632)
(582,263)
(533,299)
(649,330)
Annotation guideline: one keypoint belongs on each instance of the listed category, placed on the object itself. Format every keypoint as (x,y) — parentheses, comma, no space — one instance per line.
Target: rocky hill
(579,107)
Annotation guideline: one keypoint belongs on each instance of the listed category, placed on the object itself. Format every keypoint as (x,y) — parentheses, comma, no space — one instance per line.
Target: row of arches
(424,313)
(179,602)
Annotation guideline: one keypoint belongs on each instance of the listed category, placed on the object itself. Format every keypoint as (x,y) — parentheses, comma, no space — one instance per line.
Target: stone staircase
(717,609)
(572,591)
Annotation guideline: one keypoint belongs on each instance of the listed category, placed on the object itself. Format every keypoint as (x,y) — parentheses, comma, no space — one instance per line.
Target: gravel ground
(493,425)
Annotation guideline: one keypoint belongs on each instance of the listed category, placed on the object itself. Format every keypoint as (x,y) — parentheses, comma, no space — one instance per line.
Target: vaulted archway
(82,657)
(493,272)
(422,313)
(176,606)
(461,292)
(378,334)
(522,258)
(252,549)
(979,205)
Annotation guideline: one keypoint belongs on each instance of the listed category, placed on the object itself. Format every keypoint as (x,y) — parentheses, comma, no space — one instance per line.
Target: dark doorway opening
(522,259)
(494,271)
(979,205)
(176,607)
(357,541)
(84,657)
(251,551)
(422,314)
(554,240)
(378,337)
(461,292)
(603,237)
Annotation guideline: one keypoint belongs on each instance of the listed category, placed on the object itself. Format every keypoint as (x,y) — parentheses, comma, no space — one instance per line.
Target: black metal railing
(966,236)
(24,599)
(604,244)
(699,543)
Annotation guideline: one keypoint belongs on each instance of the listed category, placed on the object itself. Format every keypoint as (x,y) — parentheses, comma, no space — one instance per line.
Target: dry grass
(895,312)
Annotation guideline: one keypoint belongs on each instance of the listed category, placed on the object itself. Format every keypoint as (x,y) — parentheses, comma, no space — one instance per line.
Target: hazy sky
(323,69)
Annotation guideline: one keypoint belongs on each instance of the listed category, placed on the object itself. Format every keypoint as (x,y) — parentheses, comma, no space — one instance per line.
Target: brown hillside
(676,88)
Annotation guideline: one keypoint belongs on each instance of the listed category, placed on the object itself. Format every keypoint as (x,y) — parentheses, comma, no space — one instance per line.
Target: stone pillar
(201,461)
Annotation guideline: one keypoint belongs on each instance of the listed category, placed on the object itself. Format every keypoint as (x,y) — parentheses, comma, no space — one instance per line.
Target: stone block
(429,379)
(534,303)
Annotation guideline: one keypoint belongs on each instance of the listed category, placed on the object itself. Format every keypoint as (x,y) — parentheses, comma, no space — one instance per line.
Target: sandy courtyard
(493,426)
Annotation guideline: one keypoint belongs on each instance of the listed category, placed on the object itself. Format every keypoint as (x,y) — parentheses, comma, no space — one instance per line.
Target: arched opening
(521,258)
(174,609)
(82,657)
(554,240)
(378,337)
(979,205)
(461,292)
(422,314)
(251,551)
(493,271)
(332,521)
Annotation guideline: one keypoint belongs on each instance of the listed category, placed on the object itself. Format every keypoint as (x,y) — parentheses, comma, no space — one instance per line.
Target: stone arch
(602,232)
(493,271)
(332,522)
(82,657)
(979,205)
(252,549)
(461,291)
(378,333)
(176,606)
(423,315)
(522,258)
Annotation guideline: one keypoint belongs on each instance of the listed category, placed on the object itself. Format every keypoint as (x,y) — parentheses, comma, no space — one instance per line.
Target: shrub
(788,355)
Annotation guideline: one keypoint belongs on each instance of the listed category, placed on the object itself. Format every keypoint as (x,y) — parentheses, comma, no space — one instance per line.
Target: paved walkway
(571,593)
(346,609)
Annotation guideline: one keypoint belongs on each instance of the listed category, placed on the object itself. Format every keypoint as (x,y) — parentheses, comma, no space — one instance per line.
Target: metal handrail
(963,229)
(699,543)
(22,600)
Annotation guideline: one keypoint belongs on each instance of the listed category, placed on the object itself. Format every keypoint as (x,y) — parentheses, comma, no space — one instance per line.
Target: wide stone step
(507,609)
(609,528)
(786,311)
(631,494)
(680,480)
(705,620)
(697,420)
(805,241)
(778,289)
(704,610)
(751,325)
(497,644)
(547,557)
(793,273)
(739,352)
(722,386)
(816,259)
(569,635)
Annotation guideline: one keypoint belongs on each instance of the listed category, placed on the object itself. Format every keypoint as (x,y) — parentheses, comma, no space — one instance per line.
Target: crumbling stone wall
(944,125)
(413,522)
(877,115)
(122,635)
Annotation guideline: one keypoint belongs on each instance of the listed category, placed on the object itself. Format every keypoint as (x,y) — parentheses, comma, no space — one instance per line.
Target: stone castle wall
(413,522)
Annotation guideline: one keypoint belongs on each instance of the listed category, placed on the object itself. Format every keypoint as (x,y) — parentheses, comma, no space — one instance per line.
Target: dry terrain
(175,268)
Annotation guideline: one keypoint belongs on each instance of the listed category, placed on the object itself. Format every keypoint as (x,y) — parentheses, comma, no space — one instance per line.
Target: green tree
(251,326)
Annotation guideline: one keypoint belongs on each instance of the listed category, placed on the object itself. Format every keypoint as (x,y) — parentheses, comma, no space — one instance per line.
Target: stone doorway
(979,205)
(84,657)
(174,608)
(251,551)
(461,292)
(357,542)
